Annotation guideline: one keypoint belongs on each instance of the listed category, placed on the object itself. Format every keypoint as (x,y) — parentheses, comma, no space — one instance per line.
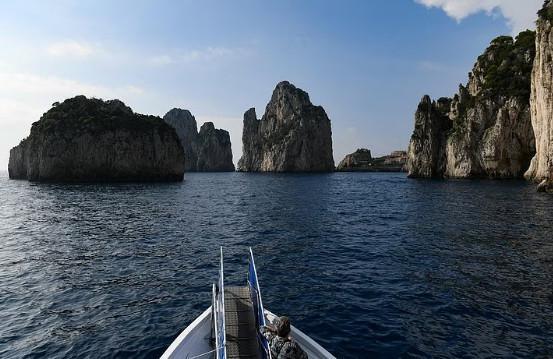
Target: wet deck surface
(240,324)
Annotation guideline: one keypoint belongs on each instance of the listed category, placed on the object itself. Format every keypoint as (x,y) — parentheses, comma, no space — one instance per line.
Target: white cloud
(71,48)
(161,60)
(520,14)
(208,54)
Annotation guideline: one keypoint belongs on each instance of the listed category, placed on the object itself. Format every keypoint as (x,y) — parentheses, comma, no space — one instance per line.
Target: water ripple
(370,265)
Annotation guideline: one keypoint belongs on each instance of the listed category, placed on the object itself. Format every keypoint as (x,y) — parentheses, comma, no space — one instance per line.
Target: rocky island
(292,136)
(362,161)
(541,101)
(485,130)
(91,140)
(207,151)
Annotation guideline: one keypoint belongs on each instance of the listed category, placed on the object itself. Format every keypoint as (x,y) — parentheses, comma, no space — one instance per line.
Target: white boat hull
(195,340)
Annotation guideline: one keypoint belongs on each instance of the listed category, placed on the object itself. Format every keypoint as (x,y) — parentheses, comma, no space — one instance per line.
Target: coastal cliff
(207,151)
(185,125)
(541,101)
(214,150)
(362,161)
(91,140)
(426,152)
(292,136)
(485,130)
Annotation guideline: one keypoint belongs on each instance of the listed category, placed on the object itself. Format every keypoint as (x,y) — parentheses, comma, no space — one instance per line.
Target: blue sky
(367,63)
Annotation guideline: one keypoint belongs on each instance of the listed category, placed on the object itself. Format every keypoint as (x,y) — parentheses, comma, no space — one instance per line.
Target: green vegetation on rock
(506,66)
(95,115)
(546,12)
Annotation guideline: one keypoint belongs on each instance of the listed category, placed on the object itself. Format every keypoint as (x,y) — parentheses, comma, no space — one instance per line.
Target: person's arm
(268,331)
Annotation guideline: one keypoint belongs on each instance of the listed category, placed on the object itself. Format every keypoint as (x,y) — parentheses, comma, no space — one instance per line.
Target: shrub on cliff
(95,115)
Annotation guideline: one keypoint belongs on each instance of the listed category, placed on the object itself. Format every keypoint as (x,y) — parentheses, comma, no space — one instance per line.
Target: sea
(370,265)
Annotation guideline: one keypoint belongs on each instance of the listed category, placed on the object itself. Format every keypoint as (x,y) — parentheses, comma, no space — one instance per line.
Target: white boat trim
(181,346)
(313,349)
(186,333)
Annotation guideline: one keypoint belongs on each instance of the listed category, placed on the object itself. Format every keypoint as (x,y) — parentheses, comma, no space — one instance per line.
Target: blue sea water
(370,265)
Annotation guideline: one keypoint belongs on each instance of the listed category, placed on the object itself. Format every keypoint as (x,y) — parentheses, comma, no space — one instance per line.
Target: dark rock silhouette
(85,139)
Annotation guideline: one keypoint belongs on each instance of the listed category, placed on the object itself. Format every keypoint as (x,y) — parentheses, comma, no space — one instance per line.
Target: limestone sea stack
(362,161)
(426,156)
(214,150)
(92,140)
(485,130)
(185,125)
(292,136)
(541,101)
(207,151)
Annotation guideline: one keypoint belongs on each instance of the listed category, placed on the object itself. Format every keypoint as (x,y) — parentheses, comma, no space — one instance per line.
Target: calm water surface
(370,265)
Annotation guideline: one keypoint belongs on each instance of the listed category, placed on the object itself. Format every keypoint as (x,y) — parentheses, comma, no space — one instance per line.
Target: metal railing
(219,314)
(257,303)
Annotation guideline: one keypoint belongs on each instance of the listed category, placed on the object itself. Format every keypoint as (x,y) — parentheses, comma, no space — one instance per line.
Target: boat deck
(240,324)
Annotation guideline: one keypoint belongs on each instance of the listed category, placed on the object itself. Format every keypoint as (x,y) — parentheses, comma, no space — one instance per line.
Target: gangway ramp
(240,324)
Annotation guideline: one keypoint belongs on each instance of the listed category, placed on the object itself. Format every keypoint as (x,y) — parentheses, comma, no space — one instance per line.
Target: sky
(368,63)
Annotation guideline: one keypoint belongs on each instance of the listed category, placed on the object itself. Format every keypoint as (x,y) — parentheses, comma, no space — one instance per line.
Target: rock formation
(362,161)
(187,130)
(214,150)
(93,140)
(358,160)
(292,136)
(541,101)
(207,151)
(485,130)
(426,152)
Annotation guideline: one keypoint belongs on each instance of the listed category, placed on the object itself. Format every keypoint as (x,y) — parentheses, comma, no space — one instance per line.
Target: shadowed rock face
(426,152)
(207,151)
(214,149)
(187,130)
(93,140)
(292,136)
(541,101)
(485,130)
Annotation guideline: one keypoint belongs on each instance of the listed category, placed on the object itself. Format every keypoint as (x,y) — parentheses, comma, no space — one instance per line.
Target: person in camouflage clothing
(280,343)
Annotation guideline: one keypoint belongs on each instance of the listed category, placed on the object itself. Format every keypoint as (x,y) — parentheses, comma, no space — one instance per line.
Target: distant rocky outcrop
(207,151)
(358,160)
(292,136)
(91,140)
(541,101)
(362,161)
(485,130)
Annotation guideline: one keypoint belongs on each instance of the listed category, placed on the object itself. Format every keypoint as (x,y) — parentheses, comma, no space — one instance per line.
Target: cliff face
(91,140)
(207,151)
(426,152)
(541,101)
(485,130)
(214,149)
(185,125)
(292,136)
(362,161)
